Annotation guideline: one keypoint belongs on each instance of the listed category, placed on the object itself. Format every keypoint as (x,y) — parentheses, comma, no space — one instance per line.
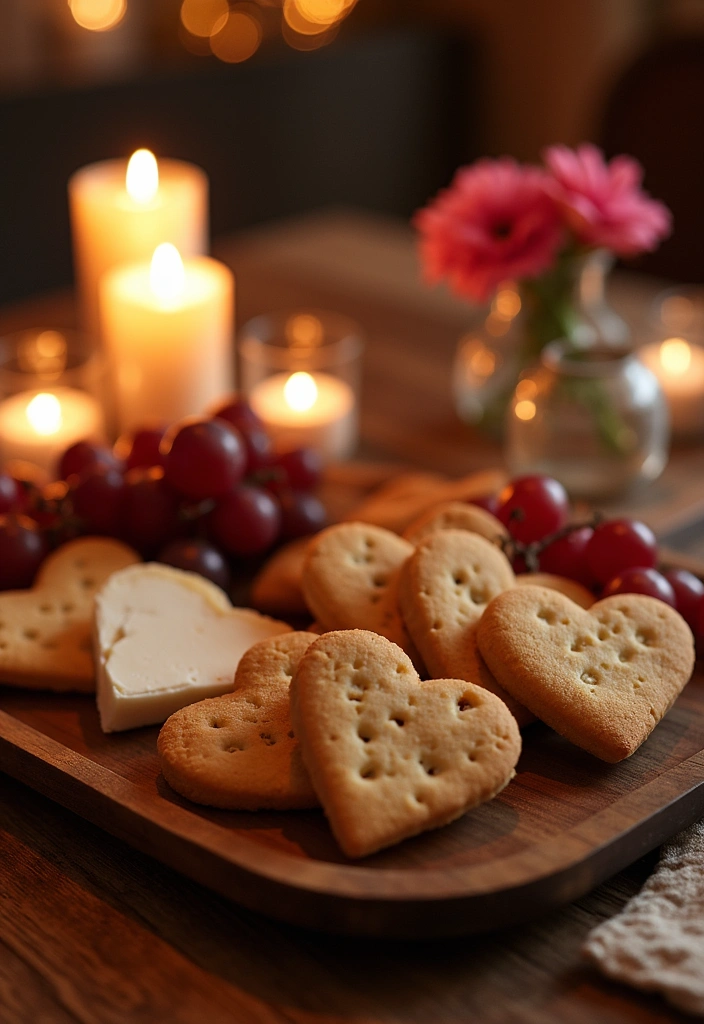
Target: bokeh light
(299,23)
(305,41)
(204,18)
(675,356)
(324,12)
(98,15)
(239,36)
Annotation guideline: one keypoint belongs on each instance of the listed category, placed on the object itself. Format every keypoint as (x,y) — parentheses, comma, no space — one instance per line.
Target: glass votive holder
(675,353)
(52,394)
(301,373)
(596,420)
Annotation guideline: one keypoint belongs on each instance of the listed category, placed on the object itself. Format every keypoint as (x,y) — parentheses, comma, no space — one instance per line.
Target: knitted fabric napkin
(656,943)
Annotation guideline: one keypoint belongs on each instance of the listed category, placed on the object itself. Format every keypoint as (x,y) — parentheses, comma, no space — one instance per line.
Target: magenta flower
(495,222)
(603,203)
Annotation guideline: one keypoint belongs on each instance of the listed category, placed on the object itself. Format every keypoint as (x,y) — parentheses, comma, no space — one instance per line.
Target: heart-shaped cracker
(350,580)
(164,639)
(456,515)
(389,755)
(395,508)
(45,632)
(602,678)
(444,588)
(570,588)
(276,588)
(238,751)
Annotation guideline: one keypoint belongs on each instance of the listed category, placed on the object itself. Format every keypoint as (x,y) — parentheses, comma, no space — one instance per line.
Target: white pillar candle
(308,410)
(121,211)
(168,333)
(38,426)
(679,367)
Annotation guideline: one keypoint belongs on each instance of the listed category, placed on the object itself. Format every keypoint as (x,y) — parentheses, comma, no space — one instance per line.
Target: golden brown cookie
(456,515)
(350,580)
(443,590)
(395,510)
(570,588)
(389,755)
(276,589)
(602,678)
(45,632)
(238,751)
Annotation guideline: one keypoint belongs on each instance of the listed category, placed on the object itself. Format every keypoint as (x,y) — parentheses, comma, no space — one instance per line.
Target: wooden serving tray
(565,823)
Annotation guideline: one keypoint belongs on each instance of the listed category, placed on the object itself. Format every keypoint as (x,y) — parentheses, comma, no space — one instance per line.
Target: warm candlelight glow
(300,391)
(142,177)
(525,409)
(44,414)
(675,356)
(204,18)
(239,35)
(98,15)
(166,274)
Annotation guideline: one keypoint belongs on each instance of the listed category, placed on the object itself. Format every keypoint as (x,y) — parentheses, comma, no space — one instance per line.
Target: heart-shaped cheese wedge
(45,632)
(444,588)
(389,755)
(166,638)
(350,580)
(456,515)
(238,751)
(602,678)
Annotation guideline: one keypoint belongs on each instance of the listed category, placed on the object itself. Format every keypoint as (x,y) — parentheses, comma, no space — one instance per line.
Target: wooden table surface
(91,931)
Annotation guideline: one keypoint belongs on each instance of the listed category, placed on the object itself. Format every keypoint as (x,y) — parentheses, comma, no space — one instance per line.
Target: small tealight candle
(120,212)
(679,367)
(308,410)
(38,426)
(168,332)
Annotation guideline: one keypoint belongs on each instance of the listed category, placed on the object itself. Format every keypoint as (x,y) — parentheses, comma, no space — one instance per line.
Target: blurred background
(299,105)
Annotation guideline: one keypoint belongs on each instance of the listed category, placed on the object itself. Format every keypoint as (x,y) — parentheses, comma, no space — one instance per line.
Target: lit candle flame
(142,178)
(44,414)
(300,391)
(166,275)
(675,356)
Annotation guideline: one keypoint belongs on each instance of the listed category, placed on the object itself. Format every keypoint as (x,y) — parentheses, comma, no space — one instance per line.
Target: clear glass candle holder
(53,392)
(301,373)
(595,419)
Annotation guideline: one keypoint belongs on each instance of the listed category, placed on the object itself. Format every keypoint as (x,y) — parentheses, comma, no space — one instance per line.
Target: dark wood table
(92,931)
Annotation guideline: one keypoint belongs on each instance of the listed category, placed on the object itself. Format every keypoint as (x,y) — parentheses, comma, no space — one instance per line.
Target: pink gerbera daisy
(495,222)
(603,203)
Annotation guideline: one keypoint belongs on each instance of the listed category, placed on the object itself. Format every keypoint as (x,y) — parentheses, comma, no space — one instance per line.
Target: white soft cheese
(166,638)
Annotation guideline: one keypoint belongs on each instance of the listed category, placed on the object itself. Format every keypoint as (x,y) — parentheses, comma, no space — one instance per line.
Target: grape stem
(531,552)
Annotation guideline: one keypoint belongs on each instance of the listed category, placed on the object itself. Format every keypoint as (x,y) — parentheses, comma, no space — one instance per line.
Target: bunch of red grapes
(200,496)
(613,556)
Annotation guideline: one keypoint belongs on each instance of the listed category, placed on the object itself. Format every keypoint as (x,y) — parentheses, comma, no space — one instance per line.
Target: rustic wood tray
(564,824)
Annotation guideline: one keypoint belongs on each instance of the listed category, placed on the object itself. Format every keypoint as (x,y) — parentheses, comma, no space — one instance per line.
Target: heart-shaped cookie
(395,507)
(602,678)
(570,588)
(350,580)
(45,632)
(389,755)
(444,588)
(166,638)
(238,751)
(276,588)
(456,515)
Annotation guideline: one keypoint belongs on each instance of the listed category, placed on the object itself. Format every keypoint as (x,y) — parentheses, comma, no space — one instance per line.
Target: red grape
(565,556)
(96,498)
(203,458)
(84,454)
(689,590)
(238,413)
(142,450)
(149,510)
(197,556)
(641,580)
(10,494)
(531,507)
(22,548)
(620,544)
(259,448)
(301,515)
(489,502)
(302,468)
(246,521)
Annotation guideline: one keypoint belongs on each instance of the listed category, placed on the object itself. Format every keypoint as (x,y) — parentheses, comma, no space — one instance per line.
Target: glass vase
(569,302)
(594,418)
